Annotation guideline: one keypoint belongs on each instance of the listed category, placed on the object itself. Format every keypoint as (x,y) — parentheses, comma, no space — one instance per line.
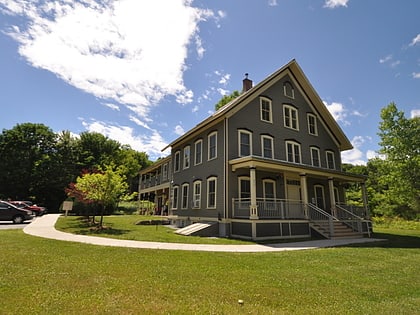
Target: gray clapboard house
(265,166)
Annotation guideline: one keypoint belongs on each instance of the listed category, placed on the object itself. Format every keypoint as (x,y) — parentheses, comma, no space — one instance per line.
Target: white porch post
(332,196)
(305,199)
(253,207)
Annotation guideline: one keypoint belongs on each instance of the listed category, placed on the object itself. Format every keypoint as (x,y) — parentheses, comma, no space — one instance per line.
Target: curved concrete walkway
(44,227)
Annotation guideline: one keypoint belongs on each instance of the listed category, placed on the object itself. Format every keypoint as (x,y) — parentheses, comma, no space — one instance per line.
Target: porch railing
(360,212)
(269,208)
(355,222)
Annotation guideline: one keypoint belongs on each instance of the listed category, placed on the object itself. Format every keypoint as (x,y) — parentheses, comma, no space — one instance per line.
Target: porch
(344,221)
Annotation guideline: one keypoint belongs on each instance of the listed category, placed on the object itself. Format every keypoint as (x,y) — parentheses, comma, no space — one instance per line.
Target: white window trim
(315,124)
(197,197)
(318,153)
(262,146)
(200,142)
(285,90)
(186,161)
(265,99)
(214,133)
(291,109)
(274,187)
(240,179)
(210,179)
(184,206)
(175,197)
(240,132)
(165,171)
(177,165)
(293,143)
(333,159)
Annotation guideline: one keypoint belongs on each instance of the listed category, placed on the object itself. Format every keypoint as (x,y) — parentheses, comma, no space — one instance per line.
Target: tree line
(38,164)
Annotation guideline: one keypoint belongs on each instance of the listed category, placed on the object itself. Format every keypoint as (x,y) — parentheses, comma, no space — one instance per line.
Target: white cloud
(415,113)
(129,51)
(331,4)
(272,3)
(223,91)
(354,156)
(151,143)
(195,109)
(338,111)
(112,106)
(416,75)
(385,59)
(179,130)
(415,41)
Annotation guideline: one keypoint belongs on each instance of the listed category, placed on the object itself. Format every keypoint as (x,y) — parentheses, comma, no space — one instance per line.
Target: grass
(124,227)
(41,276)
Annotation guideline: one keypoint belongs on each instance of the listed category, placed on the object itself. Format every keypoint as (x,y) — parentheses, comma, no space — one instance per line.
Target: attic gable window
(290,115)
(288,90)
(265,110)
(312,125)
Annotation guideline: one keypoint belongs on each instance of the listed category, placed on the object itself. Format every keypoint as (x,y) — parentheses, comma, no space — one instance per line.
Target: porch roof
(284,166)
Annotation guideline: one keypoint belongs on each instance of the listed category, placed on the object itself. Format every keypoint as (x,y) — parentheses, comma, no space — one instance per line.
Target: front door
(319,197)
(293,205)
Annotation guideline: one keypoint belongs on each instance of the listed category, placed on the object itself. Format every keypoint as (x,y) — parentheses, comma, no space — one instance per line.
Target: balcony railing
(269,208)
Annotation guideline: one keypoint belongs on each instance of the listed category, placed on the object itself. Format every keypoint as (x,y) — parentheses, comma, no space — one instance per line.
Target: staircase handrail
(356,217)
(322,212)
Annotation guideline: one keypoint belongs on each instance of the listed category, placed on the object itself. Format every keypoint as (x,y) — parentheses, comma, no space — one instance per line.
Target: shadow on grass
(82,226)
(391,241)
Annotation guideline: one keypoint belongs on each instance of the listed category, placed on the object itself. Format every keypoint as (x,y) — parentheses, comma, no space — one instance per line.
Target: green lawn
(42,276)
(124,227)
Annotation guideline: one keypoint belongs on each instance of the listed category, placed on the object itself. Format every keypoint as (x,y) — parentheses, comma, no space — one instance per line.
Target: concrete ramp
(201,229)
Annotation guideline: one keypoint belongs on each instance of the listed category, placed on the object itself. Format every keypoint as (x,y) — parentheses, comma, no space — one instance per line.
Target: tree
(226,99)
(400,144)
(26,155)
(96,150)
(105,188)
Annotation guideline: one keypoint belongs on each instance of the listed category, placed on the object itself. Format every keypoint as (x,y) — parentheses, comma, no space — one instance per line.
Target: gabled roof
(293,69)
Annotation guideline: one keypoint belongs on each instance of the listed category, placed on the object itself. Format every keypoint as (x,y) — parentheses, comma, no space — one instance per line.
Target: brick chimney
(246,83)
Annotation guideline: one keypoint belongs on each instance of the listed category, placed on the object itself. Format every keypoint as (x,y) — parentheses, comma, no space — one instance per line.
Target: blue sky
(143,72)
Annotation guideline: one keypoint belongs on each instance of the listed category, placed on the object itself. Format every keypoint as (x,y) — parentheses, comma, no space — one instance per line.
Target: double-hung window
(315,160)
(175,192)
(267,146)
(293,152)
(198,152)
(177,161)
(244,188)
(245,143)
(165,171)
(197,194)
(330,160)
(265,109)
(312,125)
(290,114)
(187,157)
(212,146)
(184,196)
(211,192)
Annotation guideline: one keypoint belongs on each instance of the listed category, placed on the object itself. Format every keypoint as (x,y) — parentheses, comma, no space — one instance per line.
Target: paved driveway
(8,225)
